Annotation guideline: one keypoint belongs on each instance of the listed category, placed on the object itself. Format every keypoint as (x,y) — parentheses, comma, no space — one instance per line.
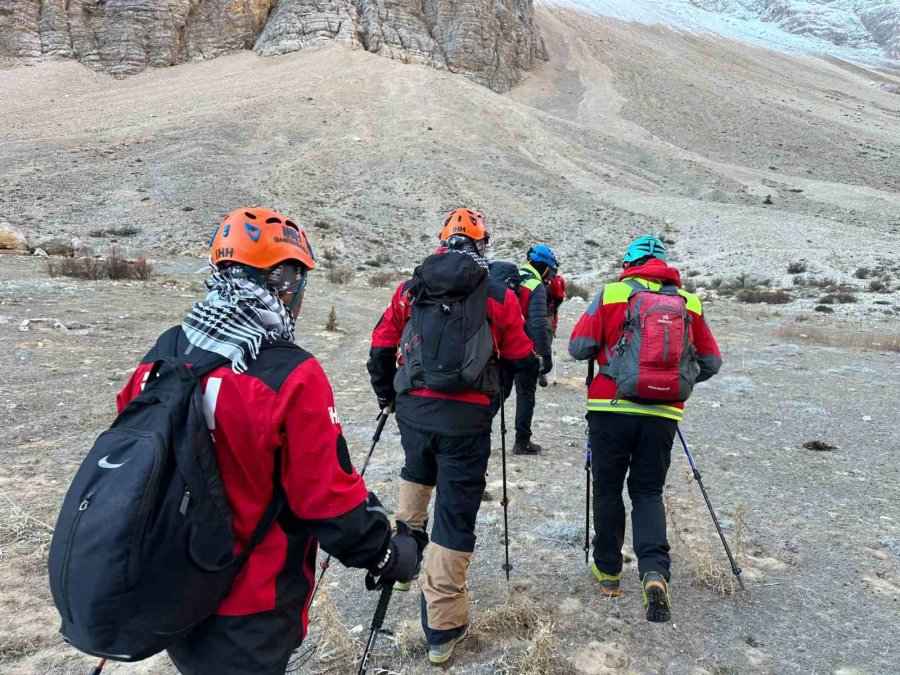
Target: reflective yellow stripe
(533,280)
(693,302)
(619,291)
(631,408)
(616,292)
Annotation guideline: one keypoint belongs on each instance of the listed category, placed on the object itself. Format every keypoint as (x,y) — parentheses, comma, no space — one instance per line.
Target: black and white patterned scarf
(236,317)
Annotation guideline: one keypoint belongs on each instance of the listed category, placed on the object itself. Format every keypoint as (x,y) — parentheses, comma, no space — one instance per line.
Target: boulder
(12,239)
(57,246)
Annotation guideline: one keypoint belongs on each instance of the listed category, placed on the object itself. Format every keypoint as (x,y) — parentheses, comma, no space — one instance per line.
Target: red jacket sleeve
(321,484)
(390,327)
(512,342)
(587,336)
(708,356)
(133,387)
(382,363)
(318,477)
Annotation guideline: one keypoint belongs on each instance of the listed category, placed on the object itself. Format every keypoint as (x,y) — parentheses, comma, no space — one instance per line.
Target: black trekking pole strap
(735,570)
(382,420)
(590,376)
(377,622)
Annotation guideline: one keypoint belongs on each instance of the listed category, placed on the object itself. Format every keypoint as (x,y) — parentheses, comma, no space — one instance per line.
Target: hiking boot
(526,448)
(400,586)
(438,654)
(609,583)
(656,597)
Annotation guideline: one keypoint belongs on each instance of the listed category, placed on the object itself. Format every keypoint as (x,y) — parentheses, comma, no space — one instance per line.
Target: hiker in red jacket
(274,402)
(445,424)
(556,295)
(634,436)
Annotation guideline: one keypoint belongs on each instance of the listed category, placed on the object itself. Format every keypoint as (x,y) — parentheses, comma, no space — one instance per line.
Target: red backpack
(654,360)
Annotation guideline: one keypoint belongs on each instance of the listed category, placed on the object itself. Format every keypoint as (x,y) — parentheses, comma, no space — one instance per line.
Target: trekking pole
(587,496)
(382,420)
(99,667)
(507,567)
(735,570)
(377,621)
(587,474)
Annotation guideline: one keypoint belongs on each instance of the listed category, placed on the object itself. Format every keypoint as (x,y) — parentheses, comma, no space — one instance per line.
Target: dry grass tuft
(115,266)
(335,650)
(340,275)
(576,290)
(516,614)
(542,654)
(18,527)
(704,554)
(844,336)
(331,323)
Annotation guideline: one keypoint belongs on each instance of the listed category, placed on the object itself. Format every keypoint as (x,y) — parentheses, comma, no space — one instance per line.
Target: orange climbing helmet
(466,222)
(260,238)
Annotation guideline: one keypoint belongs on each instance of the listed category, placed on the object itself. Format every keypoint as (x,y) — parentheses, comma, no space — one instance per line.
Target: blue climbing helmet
(543,254)
(648,245)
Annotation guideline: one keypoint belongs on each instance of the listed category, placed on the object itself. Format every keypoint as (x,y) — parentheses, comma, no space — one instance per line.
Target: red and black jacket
(463,414)
(282,402)
(600,327)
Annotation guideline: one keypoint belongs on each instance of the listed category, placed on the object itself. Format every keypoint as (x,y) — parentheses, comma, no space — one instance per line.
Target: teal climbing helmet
(648,245)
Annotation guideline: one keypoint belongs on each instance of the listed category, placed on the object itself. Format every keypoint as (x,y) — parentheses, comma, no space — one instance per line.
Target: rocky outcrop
(491,41)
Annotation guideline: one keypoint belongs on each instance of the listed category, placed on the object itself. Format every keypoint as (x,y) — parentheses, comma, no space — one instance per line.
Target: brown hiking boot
(656,597)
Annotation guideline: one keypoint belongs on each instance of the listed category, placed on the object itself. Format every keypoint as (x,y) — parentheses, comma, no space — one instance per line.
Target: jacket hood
(654,270)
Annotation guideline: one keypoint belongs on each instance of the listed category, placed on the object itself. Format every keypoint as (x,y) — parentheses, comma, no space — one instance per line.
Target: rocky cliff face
(490,41)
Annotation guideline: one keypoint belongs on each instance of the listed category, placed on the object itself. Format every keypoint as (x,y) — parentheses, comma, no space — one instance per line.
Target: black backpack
(144,544)
(447,345)
(507,274)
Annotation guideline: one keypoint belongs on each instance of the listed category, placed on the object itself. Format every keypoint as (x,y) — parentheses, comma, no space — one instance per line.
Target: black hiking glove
(403,561)
(546,364)
(384,402)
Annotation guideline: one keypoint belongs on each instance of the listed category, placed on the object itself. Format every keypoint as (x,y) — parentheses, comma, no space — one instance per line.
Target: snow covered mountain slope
(862,31)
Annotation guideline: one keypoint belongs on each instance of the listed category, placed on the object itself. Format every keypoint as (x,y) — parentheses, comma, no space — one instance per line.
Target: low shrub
(840,297)
(576,290)
(862,272)
(797,267)
(340,275)
(116,266)
(877,286)
(765,296)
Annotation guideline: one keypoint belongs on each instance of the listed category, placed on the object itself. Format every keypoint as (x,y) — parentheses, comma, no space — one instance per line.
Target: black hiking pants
(456,466)
(526,386)
(639,446)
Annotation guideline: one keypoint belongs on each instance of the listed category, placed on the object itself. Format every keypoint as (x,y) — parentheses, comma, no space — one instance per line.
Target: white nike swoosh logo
(103,464)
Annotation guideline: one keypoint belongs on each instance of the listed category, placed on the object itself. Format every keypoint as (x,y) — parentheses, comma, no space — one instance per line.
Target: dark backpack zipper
(666,343)
(64,585)
(147,501)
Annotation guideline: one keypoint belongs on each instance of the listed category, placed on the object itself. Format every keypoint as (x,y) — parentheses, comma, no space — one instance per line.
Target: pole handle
(99,667)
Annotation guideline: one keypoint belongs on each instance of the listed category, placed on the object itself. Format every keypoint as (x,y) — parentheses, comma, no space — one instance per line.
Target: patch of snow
(862,32)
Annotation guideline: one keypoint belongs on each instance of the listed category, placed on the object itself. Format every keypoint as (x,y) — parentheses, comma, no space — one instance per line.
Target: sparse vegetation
(766,296)
(340,275)
(576,290)
(115,266)
(825,309)
(842,336)
(877,286)
(120,231)
(797,267)
(704,558)
(591,242)
(382,278)
(862,272)
(331,324)
(840,297)
(373,263)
